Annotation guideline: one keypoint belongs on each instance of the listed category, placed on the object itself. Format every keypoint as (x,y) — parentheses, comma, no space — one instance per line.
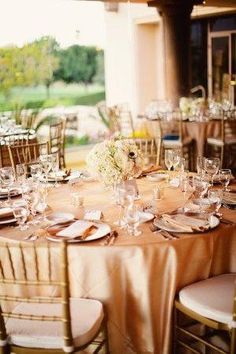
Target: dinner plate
(101,231)
(60,217)
(160,223)
(8,221)
(157,177)
(13,193)
(145,216)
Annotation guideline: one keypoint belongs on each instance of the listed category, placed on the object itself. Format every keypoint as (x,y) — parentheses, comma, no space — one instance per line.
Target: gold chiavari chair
(27,153)
(151,149)
(43,322)
(57,140)
(205,316)
(224,147)
(122,115)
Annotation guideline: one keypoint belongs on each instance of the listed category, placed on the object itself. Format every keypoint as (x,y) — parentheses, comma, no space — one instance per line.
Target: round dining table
(137,277)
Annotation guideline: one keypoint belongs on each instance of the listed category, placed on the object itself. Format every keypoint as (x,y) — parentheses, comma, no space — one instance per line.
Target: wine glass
(175,158)
(21,213)
(55,167)
(201,187)
(215,197)
(36,171)
(168,159)
(200,165)
(21,173)
(212,166)
(132,218)
(42,201)
(224,178)
(120,195)
(7,179)
(46,162)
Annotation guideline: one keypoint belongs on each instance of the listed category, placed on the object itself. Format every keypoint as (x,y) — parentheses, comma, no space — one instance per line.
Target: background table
(137,278)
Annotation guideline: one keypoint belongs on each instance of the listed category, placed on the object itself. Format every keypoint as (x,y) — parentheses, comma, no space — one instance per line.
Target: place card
(94,215)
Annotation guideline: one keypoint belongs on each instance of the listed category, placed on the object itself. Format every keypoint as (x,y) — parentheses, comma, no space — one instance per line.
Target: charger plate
(163,225)
(101,231)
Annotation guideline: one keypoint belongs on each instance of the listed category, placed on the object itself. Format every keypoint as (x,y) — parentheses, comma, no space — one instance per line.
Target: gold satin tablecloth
(137,278)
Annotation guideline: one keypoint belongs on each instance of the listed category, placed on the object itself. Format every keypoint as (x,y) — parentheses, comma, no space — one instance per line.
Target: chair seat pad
(219,142)
(177,143)
(211,298)
(86,316)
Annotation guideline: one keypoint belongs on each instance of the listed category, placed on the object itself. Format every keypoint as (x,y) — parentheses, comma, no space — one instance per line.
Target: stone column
(176,36)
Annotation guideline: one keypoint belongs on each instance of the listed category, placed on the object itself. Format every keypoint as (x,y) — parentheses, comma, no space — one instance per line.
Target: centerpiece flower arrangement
(115,160)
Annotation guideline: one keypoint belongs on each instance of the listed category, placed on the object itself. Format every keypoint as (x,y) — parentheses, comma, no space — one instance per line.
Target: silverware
(226,221)
(114,235)
(31,237)
(166,234)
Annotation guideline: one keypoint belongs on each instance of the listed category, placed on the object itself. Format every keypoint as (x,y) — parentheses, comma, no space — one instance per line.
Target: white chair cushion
(214,141)
(86,315)
(211,298)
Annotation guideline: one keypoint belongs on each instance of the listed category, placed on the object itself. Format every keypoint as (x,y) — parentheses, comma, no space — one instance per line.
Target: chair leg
(233,341)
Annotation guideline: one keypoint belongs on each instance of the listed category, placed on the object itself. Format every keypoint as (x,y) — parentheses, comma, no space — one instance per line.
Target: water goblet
(21,173)
(211,166)
(200,165)
(120,195)
(46,162)
(201,187)
(224,178)
(168,159)
(215,198)
(36,171)
(21,213)
(132,218)
(7,178)
(175,158)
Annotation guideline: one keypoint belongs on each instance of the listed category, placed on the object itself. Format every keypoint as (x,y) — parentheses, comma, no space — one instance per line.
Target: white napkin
(185,223)
(93,215)
(174,182)
(79,228)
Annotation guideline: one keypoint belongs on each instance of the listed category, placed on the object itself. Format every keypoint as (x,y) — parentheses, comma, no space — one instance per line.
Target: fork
(166,234)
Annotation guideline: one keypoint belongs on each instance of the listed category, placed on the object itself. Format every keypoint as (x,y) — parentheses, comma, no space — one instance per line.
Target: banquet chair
(171,132)
(205,316)
(37,314)
(57,140)
(124,120)
(224,146)
(150,148)
(27,153)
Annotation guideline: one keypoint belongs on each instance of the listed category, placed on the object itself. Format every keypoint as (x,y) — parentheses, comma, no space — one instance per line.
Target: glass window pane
(220,67)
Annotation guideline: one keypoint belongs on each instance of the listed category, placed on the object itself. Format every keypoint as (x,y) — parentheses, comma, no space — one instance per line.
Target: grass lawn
(60,94)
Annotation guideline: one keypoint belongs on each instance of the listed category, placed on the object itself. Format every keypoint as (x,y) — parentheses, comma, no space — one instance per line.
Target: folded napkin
(229,197)
(150,169)
(80,228)
(3,191)
(185,223)
(93,215)
(6,213)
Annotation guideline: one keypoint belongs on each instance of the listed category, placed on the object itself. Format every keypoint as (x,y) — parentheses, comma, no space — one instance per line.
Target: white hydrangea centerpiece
(115,160)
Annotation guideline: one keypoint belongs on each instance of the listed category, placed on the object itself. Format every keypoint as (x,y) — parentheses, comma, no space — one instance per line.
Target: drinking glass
(132,218)
(120,195)
(224,178)
(42,201)
(215,197)
(200,165)
(168,159)
(36,171)
(46,162)
(7,179)
(20,173)
(201,187)
(212,166)
(21,213)
(175,158)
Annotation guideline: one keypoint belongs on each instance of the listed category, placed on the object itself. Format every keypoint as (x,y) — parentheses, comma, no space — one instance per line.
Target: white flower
(115,160)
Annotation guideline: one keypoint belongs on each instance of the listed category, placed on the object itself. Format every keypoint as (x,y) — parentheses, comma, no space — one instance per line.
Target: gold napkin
(80,228)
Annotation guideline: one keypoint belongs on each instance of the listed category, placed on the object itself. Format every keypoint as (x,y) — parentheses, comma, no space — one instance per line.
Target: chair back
(26,153)
(124,120)
(29,268)
(57,140)
(228,126)
(151,149)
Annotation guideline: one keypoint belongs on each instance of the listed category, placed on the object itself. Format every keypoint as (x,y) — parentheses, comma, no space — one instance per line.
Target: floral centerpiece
(115,160)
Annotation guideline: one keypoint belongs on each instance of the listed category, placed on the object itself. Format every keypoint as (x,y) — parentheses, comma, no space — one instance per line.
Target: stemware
(7,179)
(42,201)
(55,167)
(46,162)
(36,171)
(120,195)
(168,159)
(201,187)
(200,165)
(21,173)
(215,198)
(21,213)
(175,158)
(224,178)
(211,166)
(132,218)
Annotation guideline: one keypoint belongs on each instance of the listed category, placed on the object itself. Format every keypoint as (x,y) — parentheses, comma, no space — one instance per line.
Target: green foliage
(77,64)
(73,140)
(100,75)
